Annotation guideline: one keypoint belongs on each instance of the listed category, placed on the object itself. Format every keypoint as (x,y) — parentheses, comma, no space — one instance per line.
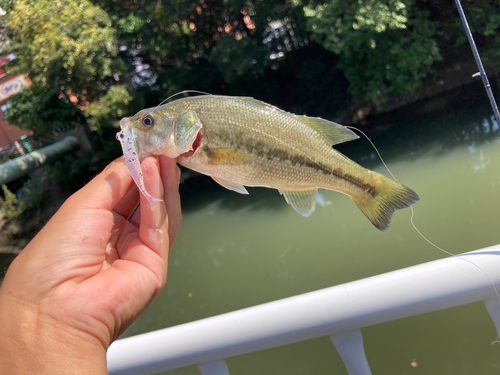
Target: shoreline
(450,80)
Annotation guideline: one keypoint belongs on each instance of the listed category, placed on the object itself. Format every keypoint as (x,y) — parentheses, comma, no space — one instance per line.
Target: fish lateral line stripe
(260,149)
(301,161)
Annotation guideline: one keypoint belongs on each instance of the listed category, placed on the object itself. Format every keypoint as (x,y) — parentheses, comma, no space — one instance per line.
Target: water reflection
(200,191)
(462,119)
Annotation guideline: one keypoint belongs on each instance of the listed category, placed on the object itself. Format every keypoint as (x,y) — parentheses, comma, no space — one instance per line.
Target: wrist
(32,343)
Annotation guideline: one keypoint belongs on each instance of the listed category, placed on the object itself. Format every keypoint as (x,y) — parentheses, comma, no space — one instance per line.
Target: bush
(9,205)
(75,170)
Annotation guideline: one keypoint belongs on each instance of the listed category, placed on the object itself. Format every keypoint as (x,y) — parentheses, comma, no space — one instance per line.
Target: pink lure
(127,139)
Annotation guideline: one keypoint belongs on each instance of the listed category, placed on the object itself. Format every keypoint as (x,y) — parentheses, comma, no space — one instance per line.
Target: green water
(237,251)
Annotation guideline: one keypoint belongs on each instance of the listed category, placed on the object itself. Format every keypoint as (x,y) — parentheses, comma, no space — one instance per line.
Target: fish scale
(245,142)
(299,143)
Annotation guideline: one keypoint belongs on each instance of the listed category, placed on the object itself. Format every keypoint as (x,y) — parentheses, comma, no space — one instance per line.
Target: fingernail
(112,163)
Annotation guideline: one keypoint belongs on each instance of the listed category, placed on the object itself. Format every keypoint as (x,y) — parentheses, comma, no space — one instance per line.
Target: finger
(171,175)
(136,216)
(171,197)
(129,203)
(107,189)
(153,224)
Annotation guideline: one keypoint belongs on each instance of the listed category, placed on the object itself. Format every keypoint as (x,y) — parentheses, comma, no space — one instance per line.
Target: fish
(243,142)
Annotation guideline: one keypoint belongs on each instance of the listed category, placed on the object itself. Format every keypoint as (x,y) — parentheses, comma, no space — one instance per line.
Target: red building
(10,85)
(9,133)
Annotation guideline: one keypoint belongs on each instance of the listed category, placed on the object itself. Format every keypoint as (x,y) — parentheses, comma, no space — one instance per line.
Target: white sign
(13,86)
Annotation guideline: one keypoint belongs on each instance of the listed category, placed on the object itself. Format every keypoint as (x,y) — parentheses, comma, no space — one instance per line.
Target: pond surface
(237,251)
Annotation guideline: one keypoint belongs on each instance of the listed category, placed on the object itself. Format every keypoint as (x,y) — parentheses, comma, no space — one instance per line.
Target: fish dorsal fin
(333,132)
(231,185)
(304,202)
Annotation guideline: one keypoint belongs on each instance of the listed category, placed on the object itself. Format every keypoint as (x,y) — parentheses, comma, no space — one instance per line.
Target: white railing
(339,312)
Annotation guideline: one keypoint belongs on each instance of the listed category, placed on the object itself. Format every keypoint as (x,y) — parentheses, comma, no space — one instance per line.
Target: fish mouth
(125,123)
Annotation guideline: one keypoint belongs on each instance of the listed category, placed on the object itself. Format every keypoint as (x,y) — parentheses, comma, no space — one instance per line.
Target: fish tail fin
(385,197)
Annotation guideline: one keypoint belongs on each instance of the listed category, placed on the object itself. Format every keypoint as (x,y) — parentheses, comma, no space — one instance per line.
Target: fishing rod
(479,63)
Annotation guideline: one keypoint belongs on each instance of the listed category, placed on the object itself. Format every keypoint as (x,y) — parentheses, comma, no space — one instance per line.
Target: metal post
(493,306)
(479,63)
(23,165)
(351,350)
(218,367)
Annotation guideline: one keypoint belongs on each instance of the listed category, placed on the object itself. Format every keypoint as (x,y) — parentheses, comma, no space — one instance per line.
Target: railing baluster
(351,349)
(218,367)
(493,307)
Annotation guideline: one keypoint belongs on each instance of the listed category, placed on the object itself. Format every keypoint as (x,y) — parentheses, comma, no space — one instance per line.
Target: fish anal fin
(333,132)
(231,185)
(227,156)
(304,201)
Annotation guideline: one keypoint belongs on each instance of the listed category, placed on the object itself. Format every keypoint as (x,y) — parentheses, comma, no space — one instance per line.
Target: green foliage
(73,171)
(486,22)
(205,44)
(44,113)
(66,45)
(385,48)
(109,108)
(231,58)
(338,25)
(68,48)
(9,205)
(33,194)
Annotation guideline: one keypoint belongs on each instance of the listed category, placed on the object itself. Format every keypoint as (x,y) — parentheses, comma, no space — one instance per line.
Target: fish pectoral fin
(333,132)
(227,156)
(304,202)
(231,185)
(186,131)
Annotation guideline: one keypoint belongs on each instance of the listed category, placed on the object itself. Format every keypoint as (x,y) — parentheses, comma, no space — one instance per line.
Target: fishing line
(419,232)
(177,94)
(182,93)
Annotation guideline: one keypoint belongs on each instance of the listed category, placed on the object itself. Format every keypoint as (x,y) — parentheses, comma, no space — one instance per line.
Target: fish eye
(148,121)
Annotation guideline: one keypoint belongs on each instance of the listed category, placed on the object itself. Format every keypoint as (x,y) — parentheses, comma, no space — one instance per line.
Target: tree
(63,44)
(205,44)
(69,50)
(385,48)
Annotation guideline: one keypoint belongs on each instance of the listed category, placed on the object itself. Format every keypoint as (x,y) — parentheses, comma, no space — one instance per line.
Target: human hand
(89,273)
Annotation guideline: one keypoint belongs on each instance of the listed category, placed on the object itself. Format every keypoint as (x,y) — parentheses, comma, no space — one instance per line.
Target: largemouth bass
(241,141)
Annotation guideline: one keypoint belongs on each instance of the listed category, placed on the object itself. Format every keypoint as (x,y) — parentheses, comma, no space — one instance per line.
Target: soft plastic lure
(127,138)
